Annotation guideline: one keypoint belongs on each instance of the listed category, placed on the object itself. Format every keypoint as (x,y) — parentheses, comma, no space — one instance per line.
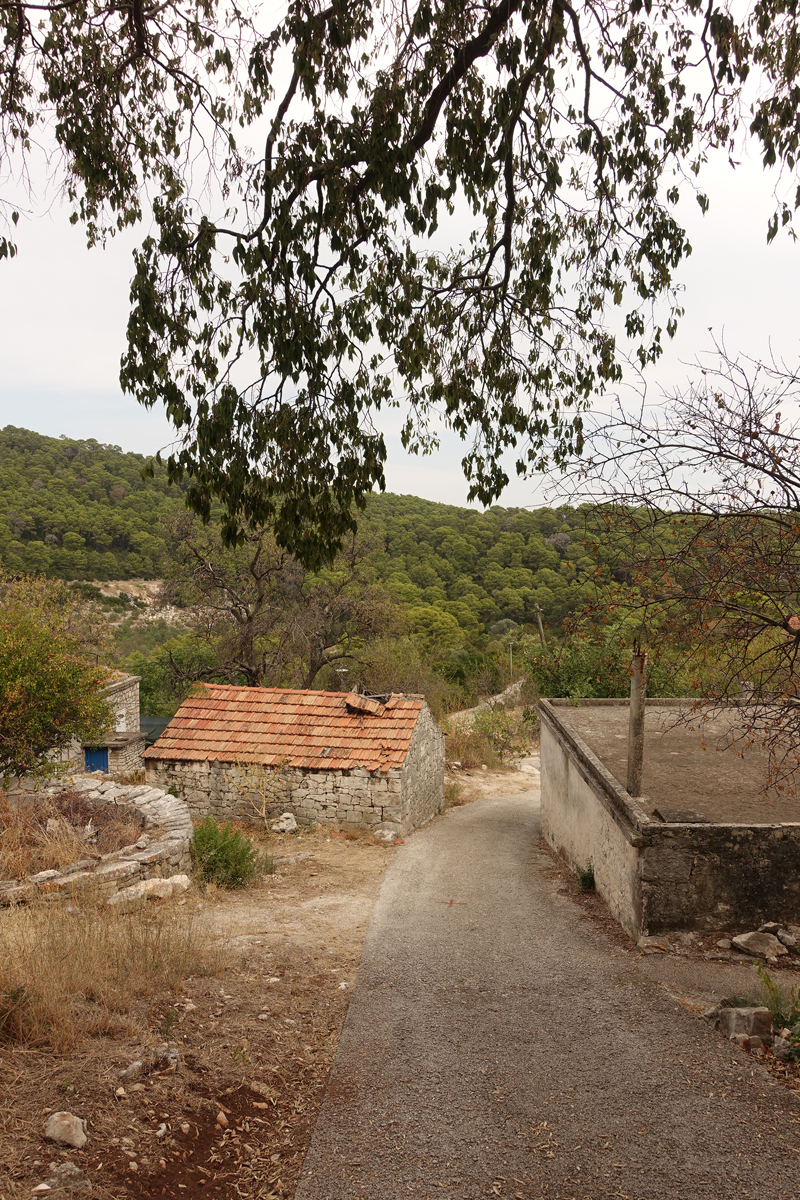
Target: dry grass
(470,748)
(67,973)
(48,834)
(453,794)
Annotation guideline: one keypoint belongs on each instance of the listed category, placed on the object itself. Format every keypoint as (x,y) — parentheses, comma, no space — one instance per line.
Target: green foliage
(783,1003)
(80,510)
(222,855)
(321,270)
(593,660)
(501,729)
(586,877)
(50,691)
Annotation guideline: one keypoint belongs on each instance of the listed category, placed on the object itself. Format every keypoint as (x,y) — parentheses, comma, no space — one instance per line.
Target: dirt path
(499,1044)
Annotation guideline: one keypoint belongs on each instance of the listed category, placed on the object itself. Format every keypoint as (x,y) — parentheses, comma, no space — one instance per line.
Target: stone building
(120,750)
(330,757)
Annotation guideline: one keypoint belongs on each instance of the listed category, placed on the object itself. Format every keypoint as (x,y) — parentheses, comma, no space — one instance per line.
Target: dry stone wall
(161,852)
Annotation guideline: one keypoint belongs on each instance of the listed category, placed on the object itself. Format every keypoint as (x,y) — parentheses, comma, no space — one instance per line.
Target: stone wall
(358,798)
(125,753)
(123,697)
(161,851)
(422,776)
(720,876)
(657,876)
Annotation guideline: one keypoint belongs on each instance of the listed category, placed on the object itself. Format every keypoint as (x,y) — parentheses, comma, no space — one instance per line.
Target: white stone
(763,945)
(66,1129)
(286,824)
(151,889)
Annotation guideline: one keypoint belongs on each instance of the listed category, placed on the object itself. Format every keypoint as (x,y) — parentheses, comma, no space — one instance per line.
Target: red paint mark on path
(450,903)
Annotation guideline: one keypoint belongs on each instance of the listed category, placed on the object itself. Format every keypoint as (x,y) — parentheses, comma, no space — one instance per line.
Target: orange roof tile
(316,730)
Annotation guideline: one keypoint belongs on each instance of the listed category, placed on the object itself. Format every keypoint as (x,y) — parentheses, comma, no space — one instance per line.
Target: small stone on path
(66,1129)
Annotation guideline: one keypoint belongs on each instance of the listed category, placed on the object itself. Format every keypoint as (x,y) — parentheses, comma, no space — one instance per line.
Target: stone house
(342,758)
(120,750)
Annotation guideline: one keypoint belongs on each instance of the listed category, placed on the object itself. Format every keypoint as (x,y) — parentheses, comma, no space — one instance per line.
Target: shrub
(586,877)
(784,1005)
(469,747)
(501,729)
(222,855)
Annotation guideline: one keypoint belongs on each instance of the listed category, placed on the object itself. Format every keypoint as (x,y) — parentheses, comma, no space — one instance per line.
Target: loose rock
(69,1178)
(762,945)
(66,1129)
(753,1022)
(287,823)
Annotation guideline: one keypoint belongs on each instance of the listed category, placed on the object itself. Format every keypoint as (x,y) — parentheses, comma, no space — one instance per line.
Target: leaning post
(636,723)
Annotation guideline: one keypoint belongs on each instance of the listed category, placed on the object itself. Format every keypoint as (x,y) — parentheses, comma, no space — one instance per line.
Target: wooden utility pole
(636,723)
(541,630)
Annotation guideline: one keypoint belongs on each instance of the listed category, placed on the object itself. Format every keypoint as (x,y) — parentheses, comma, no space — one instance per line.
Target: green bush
(223,856)
(783,1003)
(502,730)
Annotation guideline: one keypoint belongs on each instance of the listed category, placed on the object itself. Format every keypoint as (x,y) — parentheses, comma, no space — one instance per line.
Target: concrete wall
(658,876)
(584,820)
(360,798)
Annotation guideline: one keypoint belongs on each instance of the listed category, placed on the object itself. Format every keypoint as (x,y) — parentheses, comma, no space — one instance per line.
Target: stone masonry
(161,852)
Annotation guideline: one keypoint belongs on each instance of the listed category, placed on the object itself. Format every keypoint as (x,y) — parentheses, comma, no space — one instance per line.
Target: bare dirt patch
(256,1040)
(693,760)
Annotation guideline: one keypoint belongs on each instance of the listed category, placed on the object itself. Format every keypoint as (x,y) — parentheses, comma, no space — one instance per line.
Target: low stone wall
(657,876)
(161,851)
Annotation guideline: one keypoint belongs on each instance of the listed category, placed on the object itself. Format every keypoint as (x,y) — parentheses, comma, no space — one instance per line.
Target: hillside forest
(427,597)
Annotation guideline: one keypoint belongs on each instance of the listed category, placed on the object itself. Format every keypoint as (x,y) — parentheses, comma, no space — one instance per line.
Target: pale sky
(63,311)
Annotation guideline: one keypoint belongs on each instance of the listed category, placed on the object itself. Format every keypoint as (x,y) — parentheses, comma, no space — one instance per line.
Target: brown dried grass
(45,834)
(69,972)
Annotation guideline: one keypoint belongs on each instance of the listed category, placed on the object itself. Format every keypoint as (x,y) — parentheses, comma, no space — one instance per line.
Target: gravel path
(501,1045)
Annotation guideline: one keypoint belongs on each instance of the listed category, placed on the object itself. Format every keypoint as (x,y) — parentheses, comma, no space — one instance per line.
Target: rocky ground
(232,1114)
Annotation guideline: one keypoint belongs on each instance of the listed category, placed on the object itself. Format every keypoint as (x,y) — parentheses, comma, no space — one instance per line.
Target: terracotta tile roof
(326,731)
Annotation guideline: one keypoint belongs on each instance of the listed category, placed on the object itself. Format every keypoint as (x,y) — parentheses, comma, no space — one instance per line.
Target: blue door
(97,759)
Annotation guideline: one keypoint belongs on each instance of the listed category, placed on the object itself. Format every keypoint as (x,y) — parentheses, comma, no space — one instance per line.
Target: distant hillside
(79,509)
(480,567)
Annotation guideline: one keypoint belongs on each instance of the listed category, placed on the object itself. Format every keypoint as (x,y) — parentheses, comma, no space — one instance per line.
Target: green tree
(258,617)
(50,691)
(278,304)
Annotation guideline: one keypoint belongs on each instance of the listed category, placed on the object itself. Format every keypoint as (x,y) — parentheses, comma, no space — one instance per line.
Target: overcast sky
(63,311)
